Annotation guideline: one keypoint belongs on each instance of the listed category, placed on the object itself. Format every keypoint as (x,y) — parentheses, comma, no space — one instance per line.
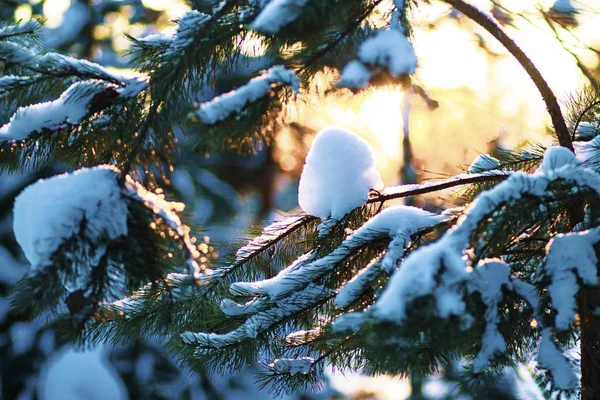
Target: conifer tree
(510,276)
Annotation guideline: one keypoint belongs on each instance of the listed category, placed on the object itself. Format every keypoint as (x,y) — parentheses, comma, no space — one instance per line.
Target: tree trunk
(590,345)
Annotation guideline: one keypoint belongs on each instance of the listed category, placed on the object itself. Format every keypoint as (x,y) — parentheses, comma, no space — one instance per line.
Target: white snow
(389,48)
(157,39)
(51,210)
(277,14)
(355,75)
(488,279)
(570,256)
(223,106)
(556,157)
(484,162)
(588,152)
(338,174)
(587,130)
(292,366)
(552,359)
(564,6)
(70,108)
(72,375)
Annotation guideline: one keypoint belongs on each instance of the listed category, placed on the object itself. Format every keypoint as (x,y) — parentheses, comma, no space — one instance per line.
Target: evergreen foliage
(383,290)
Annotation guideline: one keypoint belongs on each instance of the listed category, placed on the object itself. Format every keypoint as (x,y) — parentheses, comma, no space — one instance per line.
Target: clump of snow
(570,256)
(588,152)
(488,279)
(69,108)
(587,130)
(355,75)
(338,174)
(50,211)
(277,14)
(229,103)
(564,6)
(552,359)
(72,375)
(484,162)
(292,366)
(390,49)
(556,157)
(156,40)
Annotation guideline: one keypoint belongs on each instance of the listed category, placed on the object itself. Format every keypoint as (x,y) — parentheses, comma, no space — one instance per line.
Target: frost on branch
(85,203)
(221,107)
(276,14)
(338,174)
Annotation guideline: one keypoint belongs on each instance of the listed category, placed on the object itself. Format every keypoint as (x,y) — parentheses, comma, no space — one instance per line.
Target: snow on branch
(86,202)
(307,298)
(570,256)
(221,107)
(187,29)
(397,222)
(388,49)
(69,109)
(552,359)
(276,14)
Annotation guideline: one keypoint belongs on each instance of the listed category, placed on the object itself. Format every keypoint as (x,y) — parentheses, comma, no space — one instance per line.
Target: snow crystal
(50,211)
(72,375)
(338,174)
(69,108)
(389,48)
(223,106)
(483,162)
(293,366)
(556,157)
(277,14)
(355,75)
(569,254)
(552,359)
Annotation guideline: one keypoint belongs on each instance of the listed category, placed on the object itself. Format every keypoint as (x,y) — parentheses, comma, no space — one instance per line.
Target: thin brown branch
(562,133)
(415,190)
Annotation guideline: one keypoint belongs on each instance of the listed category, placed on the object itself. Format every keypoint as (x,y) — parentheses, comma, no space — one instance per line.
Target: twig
(415,190)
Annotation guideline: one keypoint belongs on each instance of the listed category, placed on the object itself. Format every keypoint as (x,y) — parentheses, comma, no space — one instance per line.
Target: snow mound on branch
(556,157)
(391,49)
(483,162)
(338,174)
(276,14)
(51,210)
(588,152)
